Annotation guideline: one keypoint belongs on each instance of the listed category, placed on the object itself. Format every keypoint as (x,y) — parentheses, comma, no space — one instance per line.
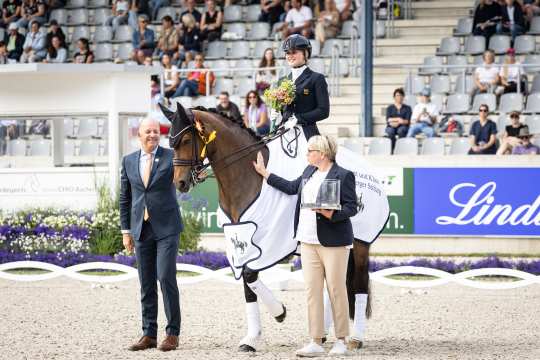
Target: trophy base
(321,206)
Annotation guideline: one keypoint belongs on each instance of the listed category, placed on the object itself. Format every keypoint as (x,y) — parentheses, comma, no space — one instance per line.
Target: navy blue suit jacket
(311,103)
(159,197)
(336,231)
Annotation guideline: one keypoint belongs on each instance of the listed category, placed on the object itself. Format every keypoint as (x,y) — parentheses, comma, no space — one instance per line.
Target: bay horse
(230,148)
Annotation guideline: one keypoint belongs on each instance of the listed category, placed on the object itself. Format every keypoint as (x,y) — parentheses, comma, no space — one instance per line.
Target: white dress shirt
(142,161)
(307,221)
(296,72)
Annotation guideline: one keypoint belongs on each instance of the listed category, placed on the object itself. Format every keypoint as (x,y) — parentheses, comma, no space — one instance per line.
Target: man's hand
(325,212)
(476,148)
(127,240)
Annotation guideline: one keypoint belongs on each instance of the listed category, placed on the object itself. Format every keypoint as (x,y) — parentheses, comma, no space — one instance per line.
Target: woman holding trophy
(324,234)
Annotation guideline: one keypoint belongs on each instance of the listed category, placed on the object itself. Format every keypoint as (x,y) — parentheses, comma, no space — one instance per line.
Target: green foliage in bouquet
(277,97)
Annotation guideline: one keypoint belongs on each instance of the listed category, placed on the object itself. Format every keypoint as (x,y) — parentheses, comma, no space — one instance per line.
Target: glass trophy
(325,196)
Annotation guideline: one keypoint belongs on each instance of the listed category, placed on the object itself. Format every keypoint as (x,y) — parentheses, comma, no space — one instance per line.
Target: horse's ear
(181,111)
(168,113)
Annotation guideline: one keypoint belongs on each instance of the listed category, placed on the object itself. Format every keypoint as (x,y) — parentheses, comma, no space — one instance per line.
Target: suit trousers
(156,260)
(320,263)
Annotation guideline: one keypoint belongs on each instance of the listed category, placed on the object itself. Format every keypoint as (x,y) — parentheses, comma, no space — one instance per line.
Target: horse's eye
(186,141)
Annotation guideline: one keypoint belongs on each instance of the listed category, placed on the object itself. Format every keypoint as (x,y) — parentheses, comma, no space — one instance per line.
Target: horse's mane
(230,119)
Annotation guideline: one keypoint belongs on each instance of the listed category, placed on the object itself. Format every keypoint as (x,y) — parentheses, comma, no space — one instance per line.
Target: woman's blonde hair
(188,20)
(325,144)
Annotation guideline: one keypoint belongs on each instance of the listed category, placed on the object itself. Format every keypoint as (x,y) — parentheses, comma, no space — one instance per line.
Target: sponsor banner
(477,201)
(401,207)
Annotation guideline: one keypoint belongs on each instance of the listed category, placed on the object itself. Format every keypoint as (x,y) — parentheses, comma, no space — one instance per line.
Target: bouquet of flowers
(277,97)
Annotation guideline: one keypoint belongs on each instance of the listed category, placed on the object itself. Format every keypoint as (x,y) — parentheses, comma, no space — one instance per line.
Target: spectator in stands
(39,127)
(486,16)
(531,9)
(32,10)
(56,53)
(170,76)
(137,8)
(486,76)
(255,114)
(120,14)
(155,5)
(84,55)
(11,12)
(143,40)
(8,131)
(510,74)
(3,53)
(34,49)
(195,83)
(15,42)
(264,78)
(228,107)
(345,8)
(298,20)
(483,134)
(271,11)
(513,20)
(526,147)
(286,8)
(424,116)
(55,4)
(510,137)
(190,10)
(398,117)
(450,125)
(55,30)
(328,23)
(190,39)
(169,39)
(211,22)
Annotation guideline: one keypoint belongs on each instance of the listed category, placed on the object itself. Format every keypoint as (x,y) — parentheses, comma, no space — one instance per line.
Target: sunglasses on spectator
(198,59)
(252,97)
(483,110)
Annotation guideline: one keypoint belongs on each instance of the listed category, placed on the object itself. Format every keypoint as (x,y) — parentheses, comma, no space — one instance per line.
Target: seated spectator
(328,23)
(191,10)
(32,10)
(483,134)
(155,5)
(11,12)
(513,20)
(229,108)
(168,40)
(510,136)
(486,77)
(170,76)
(424,116)
(56,53)
(56,4)
(398,117)
(3,53)
(271,11)
(211,22)
(264,78)
(190,39)
(39,127)
(345,9)
(510,75)
(286,8)
(15,42)
(143,40)
(486,16)
(531,9)
(155,90)
(84,55)
(195,83)
(34,49)
(255,114)
(55,30)
(526,147)
(450,125)
(8,131)
(148,61)
(137,8)
(298,21)
(120,14)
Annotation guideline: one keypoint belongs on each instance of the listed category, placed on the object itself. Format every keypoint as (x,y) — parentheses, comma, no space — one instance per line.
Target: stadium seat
(380,29)
(124,51)
(315,48)
(489,99)
(457,104)
(534,28)
(350,28)
(164,11)
(433,146)
(60,15)
(406,146)
(380,146)
(343,67)
(533,62)
(245,64)
(511,102)
(464,85)
(329,45)
(232,13)
(206,101)
(525,44)
(98,4)
(478,60)
(17,147)
(533,103)
(253,12)
(474,45)
(69,147)
(76,4)
(237,28)
(460,146)
(432,65)
(536,140)
(499,43)
(437,99)
(216,50)
(355,144)
(80,32)
(101,15)
(87,127)
(186,101)
(104,52)
(123,34)
(223,84)
(259,31)
(533,122)
(317,65)
(103,34)
(69,130)
(260,47)
(78,17)
(410,100)
(449,46)
(244,85)
(440,84)
(40,147)
(414,84)
(239,50)
(458,64)
(89,148)
(464,27)
(535,87)
(221,64)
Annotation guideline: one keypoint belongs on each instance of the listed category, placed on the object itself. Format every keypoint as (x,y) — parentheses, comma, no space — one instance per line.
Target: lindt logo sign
(482,208)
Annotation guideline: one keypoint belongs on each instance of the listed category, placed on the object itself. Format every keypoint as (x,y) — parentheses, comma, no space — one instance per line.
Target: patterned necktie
(146,177)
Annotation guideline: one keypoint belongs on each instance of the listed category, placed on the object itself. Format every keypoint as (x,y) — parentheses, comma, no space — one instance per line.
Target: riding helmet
(297,42)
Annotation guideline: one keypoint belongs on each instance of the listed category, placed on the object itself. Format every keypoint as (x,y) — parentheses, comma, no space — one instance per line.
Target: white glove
(273,115)
(291,122)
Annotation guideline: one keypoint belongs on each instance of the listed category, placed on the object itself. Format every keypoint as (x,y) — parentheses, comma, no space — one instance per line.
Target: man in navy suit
(151,224)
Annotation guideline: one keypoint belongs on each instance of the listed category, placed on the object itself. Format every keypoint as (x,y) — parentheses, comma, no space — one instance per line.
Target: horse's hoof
(354,344)
(323,340)
(246,348)
(283,315)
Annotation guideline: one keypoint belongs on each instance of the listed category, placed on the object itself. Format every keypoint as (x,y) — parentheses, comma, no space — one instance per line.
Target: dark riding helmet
(297,42)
